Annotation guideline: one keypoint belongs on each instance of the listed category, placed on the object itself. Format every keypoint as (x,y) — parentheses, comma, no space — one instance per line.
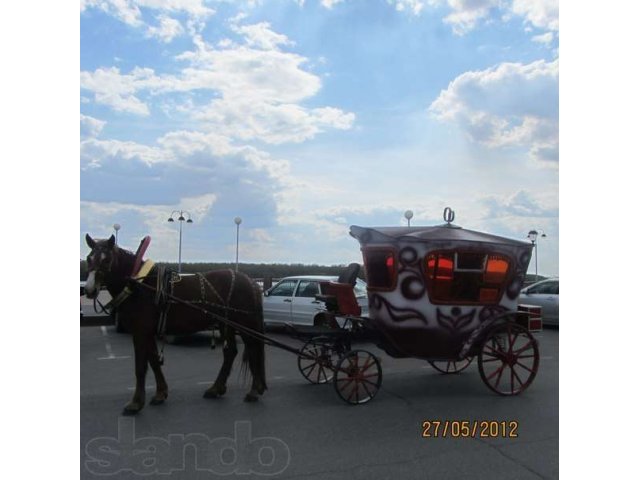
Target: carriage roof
(446,232)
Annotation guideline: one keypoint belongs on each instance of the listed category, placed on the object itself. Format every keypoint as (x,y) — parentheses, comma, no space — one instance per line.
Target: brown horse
(224,293)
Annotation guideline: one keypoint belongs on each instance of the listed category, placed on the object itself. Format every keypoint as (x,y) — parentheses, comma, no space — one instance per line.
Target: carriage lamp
(237,221)
(408,215)
(181,219)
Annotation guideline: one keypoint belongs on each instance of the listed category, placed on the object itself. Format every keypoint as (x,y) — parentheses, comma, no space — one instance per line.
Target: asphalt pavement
(300,430)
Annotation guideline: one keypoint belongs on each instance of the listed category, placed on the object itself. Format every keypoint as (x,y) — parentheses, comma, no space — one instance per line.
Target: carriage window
(466,277)
(380,267)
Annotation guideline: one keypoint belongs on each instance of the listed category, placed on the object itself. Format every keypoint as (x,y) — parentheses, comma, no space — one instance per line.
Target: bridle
(100,273)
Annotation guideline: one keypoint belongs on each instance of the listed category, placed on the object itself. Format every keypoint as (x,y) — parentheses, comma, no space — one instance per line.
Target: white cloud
(330,3)
(413,6)
(151,219)
(90,127)
(543,14)
(128,11)
(168,28)
(259,90)
(508,105)
(467,13)
(261,36)
(94,153)
(545,38)
(117,91)
(124,10)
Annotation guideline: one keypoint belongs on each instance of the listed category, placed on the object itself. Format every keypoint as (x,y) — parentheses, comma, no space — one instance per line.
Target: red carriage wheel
(358,377)
(316,361)
(509,359)
(451,366)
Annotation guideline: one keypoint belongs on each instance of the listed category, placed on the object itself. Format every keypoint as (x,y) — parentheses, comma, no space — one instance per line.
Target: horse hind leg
(254,356)
(229,352)
(162,389)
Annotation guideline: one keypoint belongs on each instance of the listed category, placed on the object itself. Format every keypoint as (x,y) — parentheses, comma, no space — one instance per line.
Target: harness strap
(223,304)
(127,291)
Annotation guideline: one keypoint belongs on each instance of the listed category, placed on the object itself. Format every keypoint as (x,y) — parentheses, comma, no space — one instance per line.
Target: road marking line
(107,344)
(113,357)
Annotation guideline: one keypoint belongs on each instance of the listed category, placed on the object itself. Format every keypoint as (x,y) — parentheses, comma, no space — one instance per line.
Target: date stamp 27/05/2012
(470,429)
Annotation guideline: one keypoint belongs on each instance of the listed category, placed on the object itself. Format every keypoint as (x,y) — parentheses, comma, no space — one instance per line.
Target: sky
(305,117)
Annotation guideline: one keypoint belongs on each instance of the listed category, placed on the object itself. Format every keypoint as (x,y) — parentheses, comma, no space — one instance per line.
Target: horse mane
(124,260)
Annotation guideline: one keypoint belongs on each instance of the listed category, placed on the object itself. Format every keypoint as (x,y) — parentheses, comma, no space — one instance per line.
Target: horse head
(101,262)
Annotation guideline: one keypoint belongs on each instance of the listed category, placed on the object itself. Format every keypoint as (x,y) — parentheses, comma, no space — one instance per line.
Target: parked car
(545,294)
(293,299)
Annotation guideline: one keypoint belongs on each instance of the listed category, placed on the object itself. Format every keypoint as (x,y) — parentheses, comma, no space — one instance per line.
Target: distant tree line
(254,270)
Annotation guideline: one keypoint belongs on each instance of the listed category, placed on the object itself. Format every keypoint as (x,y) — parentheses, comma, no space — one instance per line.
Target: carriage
(443,293)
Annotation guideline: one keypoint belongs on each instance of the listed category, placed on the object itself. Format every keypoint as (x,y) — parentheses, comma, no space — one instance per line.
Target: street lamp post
(533,236)
(238,221)
(180,219)
(408,215)
(116,227)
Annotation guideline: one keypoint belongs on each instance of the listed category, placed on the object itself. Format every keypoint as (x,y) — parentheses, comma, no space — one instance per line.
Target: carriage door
(305,306)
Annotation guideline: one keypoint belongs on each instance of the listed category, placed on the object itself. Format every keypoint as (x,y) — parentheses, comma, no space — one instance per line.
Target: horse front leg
(141,358)
(162,389)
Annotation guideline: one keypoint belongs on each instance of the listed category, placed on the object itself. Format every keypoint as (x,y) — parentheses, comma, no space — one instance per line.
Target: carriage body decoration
(432,290)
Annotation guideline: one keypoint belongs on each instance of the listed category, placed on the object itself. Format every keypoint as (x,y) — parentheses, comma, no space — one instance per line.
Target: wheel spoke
(500,375)
(364,385)
(525,367)
(496,353)
(367,365)
(353,391)
(499,369)
(311,365)
(512,389)
(513,370)
(522,349)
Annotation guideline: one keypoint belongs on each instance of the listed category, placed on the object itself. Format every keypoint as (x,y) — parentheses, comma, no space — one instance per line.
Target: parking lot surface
(300,430)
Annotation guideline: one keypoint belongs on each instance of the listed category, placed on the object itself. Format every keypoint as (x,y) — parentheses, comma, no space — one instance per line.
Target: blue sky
(306,117)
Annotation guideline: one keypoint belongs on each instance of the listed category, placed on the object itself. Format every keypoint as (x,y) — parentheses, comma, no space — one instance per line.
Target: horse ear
(111,241)
(90,241)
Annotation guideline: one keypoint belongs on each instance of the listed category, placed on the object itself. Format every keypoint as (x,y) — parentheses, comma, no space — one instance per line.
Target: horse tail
(260,360)
(254,353)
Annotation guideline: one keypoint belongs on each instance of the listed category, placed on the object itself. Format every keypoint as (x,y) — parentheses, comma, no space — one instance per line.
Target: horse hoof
(250,398)
(214,392)
(128,411)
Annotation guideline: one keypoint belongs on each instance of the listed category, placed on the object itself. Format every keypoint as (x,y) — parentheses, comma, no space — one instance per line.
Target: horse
(224,293)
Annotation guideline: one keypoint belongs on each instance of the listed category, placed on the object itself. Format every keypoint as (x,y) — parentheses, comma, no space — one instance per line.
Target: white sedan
(293,299)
